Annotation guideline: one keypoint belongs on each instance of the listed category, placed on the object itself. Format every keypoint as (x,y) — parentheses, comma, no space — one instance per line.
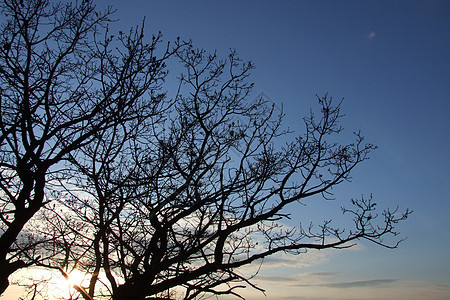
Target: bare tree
(64,81)
(154,196)
(176,209)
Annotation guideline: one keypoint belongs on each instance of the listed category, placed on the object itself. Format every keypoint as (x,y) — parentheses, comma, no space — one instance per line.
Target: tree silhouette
(60,88)
(164,197)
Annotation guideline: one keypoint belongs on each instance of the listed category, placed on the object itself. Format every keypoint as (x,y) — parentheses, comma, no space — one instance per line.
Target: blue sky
(390,61)
(396,86)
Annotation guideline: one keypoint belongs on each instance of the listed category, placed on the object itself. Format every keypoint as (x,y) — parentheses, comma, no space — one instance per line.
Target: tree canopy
(154,195)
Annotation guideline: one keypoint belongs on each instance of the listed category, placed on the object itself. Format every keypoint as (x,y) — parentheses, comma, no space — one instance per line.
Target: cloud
(353,284)
(276,279)
(443,285)
(377,289)
(309,258)
(302,277)
(323,274)
(300,298)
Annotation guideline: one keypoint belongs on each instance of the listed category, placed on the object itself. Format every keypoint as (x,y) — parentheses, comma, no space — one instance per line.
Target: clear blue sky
(390,60)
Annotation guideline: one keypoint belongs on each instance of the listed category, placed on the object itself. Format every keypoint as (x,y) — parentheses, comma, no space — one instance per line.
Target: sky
(390,61)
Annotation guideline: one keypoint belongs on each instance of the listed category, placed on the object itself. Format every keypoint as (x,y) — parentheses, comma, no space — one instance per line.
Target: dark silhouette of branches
(64,82)
(178,208)
(155,196)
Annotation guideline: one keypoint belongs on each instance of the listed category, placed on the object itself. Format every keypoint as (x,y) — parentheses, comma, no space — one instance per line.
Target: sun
(74,279)
(49,284)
